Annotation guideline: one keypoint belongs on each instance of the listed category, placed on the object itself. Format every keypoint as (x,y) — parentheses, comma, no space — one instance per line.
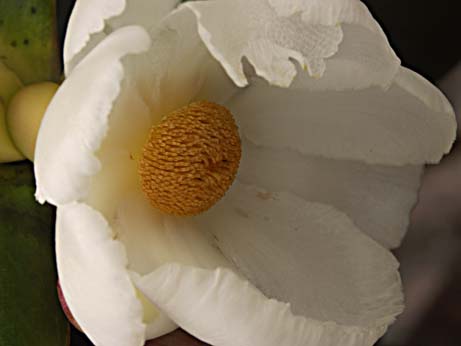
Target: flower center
(190,159)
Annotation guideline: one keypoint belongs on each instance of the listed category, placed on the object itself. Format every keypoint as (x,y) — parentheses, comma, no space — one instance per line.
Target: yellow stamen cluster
(190,159)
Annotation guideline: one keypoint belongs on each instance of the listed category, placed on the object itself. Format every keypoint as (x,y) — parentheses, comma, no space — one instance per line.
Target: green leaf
(30,314)
(28,39)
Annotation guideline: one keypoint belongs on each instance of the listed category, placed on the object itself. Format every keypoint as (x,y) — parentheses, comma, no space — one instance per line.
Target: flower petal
(157,323)
(410,123)
(94,279)
(378,199)
(308,254)
(76,120)
(181,68)
(152,238)
(92,20)
(345,285)
(222,309)
(327,12)
(421,88)
(271,32)
(364,59)
(342,287)
(129,123)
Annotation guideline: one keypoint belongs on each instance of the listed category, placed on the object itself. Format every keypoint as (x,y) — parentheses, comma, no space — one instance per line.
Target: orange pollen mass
(190,159)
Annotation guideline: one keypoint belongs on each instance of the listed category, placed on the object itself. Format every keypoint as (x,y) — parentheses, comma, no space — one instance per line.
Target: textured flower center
(190,159)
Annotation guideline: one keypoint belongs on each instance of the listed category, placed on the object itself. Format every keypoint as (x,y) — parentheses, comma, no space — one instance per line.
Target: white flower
(334,137)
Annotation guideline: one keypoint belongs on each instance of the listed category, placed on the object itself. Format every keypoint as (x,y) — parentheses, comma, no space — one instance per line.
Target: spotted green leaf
(28,39)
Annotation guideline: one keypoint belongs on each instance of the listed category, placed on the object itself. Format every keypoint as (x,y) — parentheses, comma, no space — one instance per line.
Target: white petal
(77,119)
(364,59)
(152,238)
(308,254)
(378,199)
(234,29)
(94,279)
(222,309)
(128,125)
(343,288)
(181,68)
(271,32)
(410,123)
(91,21)
(327,12)
(157,323)
(160,326)
(421,88)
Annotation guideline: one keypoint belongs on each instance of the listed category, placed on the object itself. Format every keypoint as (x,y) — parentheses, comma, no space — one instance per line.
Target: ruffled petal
(91,21)
(271,33)
(327,12)
(94,279)
(76,121)
(378,199)
(222,309)
(364,59)
(410,123)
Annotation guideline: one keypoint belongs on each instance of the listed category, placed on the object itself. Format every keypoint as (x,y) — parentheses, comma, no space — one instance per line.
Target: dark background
(426,36)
